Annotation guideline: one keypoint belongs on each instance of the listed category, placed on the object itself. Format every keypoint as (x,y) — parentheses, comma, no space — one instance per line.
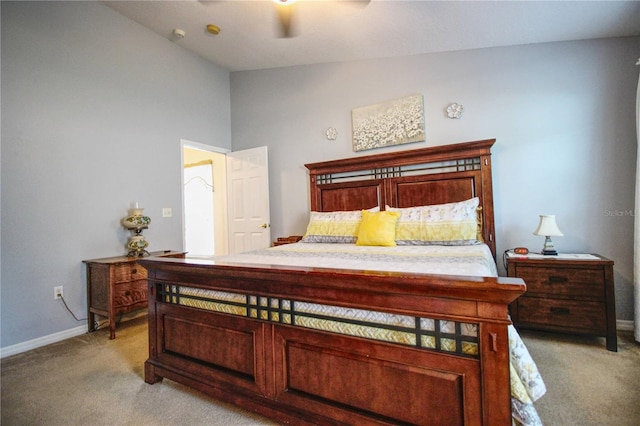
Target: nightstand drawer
(129,294)
(126,272)
(589,316)
(570,282)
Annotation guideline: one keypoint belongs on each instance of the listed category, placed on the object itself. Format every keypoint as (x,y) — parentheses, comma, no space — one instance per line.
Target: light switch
(167,212)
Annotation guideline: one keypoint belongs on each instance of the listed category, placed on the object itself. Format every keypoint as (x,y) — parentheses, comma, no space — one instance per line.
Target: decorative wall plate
(455,110)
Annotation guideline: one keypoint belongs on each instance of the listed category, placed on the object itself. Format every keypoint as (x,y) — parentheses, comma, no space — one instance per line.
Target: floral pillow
(438,224)
(334,227)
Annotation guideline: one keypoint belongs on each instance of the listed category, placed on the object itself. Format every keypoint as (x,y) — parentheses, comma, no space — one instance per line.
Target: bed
(346,327)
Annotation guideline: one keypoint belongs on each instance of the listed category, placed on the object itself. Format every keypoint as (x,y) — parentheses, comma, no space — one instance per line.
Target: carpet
(90,379)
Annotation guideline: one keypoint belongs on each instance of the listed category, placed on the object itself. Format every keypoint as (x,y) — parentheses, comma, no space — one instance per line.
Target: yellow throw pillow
(378,229)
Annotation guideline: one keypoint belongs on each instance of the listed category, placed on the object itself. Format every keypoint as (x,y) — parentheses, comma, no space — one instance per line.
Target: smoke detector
(178,33)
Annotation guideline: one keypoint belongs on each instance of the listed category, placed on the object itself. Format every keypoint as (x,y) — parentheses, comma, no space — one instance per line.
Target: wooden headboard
(435,175)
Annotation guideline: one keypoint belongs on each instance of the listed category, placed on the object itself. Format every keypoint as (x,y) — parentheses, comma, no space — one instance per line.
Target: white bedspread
(472,260)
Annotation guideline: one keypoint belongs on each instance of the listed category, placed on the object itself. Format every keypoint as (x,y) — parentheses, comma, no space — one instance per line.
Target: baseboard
(42,341)
(624,325)
(63,335)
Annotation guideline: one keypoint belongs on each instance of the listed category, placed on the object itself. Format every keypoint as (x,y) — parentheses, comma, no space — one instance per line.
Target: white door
(248,200)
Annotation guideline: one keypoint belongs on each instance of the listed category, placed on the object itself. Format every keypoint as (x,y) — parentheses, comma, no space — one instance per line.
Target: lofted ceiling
(342,30)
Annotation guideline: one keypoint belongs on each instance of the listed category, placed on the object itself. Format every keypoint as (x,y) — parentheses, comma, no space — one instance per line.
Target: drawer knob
(557,280)
(127,293)
(134,271)
(561,311)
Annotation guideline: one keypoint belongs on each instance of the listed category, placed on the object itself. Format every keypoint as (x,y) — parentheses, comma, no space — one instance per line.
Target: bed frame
(246,344)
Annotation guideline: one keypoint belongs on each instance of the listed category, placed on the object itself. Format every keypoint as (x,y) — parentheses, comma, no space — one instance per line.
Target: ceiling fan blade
(359,3)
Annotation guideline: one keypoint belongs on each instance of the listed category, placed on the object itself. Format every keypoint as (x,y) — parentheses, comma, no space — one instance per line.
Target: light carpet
(90,379)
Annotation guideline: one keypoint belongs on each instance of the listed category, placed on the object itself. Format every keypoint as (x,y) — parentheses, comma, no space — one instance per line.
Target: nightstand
(287,240)
(117,285)
(565,293)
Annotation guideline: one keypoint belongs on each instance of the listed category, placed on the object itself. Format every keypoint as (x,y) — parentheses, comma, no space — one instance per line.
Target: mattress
(455,337)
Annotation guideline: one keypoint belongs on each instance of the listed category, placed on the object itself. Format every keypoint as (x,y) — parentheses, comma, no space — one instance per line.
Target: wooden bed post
(496,387)
(487,204)
(149,370)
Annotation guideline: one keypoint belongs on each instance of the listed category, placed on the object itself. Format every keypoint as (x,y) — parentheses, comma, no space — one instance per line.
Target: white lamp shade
(547,226)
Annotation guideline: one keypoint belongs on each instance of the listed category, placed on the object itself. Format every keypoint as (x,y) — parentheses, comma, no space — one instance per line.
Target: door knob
(264,225)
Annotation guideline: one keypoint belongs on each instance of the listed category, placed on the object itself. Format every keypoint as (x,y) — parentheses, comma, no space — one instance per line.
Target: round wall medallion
(455,110)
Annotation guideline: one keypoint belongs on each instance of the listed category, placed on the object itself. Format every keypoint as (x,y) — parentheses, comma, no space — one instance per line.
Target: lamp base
(549,249)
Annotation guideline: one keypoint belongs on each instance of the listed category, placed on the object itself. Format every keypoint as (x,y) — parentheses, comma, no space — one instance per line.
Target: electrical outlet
(57,292)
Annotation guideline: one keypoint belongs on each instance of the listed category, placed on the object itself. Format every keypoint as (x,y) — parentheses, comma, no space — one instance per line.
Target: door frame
(185,143)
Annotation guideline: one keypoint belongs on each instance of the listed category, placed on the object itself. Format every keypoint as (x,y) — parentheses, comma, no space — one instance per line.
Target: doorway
(204,199)
(199,232)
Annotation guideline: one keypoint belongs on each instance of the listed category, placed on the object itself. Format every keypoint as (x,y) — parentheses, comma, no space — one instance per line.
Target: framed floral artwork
(388,123)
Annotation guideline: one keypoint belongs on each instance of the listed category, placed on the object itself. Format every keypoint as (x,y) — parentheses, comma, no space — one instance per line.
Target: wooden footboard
(282,342)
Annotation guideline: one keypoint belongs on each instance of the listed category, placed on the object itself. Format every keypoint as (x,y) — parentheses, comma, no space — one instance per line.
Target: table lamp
(548,228)
(136,222)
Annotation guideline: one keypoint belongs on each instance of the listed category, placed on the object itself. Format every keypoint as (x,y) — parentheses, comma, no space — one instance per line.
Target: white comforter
(450,260)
